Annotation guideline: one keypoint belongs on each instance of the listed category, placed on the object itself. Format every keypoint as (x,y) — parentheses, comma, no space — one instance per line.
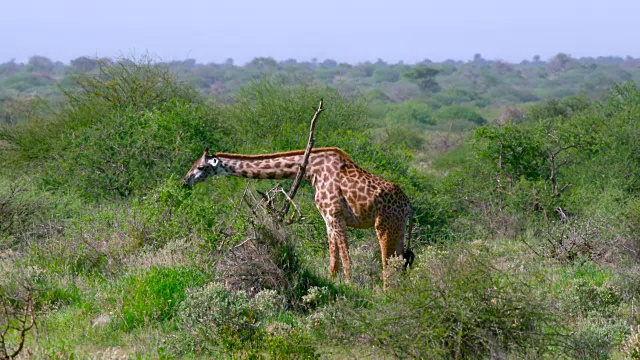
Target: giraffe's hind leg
(343,246)
(390,231)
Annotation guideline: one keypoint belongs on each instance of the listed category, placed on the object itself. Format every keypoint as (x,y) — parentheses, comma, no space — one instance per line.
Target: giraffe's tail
(408,255)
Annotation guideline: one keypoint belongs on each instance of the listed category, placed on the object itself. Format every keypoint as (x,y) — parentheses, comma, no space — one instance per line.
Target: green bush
(454,95)
(403,137)
(129,151)
(618,160)
(126,127)
(270,116)
(20,213)
(224,323)
(153,295)
(410,113)
(558,108)
(26,81)
(381,74)
(596,338)
(456,112)
(453,306)
(218,317)
(172,212)
(141,85)
(565,155)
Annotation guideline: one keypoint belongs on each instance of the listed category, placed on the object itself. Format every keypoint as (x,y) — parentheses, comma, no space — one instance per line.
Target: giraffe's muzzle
(188,182)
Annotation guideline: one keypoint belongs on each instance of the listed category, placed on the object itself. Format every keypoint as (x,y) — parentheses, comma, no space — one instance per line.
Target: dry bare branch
(305,162)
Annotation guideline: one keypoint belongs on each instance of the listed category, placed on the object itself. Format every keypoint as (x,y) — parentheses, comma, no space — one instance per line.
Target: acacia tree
(559,63)
(424,77)
(539,149)
(39,64)
(84,64)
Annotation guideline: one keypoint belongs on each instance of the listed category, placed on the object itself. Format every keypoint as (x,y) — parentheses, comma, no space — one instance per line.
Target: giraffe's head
(207,165)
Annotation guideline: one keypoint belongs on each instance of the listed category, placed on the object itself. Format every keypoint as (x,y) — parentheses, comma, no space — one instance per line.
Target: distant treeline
(478,82)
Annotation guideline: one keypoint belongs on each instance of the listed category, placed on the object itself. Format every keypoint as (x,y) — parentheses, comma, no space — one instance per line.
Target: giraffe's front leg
(333,249)
(343,245)
(340,239)
(337,236)
(333,255)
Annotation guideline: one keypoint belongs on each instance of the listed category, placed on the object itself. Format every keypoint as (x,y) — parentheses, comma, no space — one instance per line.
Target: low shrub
(18,213)
(455,305)
(267,260)
(228,319)
(152,295)
(457,112)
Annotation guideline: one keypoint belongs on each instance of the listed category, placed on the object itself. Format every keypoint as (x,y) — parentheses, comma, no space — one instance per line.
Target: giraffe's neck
(280,165)
(271,166)
(283,168)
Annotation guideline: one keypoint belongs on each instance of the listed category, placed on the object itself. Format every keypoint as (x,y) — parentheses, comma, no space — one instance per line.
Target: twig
(220,229)
(303,166)
(25,322)
(244,242)
(290,200)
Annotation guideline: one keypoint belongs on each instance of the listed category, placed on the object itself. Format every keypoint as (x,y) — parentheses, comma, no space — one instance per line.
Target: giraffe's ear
(206,151)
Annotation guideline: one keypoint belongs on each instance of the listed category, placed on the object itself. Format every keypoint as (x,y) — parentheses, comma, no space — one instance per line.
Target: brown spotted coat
(346,195)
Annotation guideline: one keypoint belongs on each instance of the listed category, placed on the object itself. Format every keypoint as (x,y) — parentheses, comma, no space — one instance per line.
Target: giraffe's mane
(281,154)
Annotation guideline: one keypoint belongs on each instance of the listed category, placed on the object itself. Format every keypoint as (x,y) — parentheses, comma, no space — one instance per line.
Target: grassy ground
(101,246)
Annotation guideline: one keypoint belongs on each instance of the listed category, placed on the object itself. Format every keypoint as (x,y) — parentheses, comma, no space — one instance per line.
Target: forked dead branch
(305,163)
(269,198)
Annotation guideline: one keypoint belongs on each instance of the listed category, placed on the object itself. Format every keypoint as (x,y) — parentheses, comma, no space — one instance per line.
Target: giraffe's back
(369,197)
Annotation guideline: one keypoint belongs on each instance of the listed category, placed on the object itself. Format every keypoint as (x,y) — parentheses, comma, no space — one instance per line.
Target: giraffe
(345,195)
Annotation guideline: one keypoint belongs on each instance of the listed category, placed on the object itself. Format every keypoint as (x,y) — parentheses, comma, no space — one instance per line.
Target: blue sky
(347,31)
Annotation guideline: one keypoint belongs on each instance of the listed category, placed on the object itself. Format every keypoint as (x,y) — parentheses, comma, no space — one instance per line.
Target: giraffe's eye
(201,167)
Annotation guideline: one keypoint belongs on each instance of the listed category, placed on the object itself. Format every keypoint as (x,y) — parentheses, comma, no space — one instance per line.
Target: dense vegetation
(524,179)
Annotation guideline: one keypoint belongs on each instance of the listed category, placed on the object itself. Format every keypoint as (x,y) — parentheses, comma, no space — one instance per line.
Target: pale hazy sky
(347,30)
